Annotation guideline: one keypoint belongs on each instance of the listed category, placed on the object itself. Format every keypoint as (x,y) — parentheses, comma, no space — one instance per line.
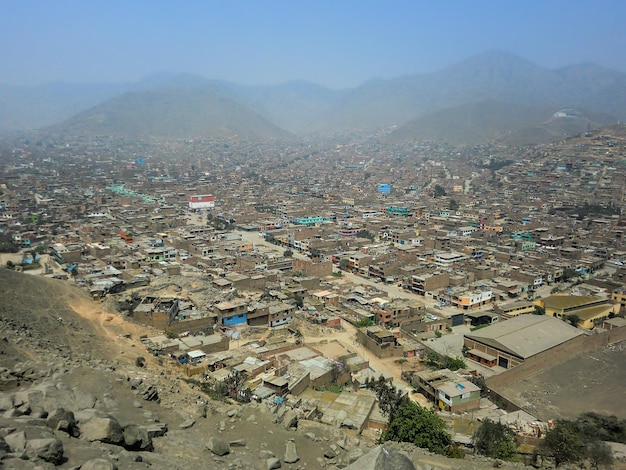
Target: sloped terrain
(73,396)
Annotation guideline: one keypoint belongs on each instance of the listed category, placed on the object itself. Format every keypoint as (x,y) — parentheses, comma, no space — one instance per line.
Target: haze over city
(335,44)
(297,234)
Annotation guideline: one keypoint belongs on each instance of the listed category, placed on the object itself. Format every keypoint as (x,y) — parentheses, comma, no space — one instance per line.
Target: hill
(507,122)
(492,76)
(72,395)
(306,108)
(171,114)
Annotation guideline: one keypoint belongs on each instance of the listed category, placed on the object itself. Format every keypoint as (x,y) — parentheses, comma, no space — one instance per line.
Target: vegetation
(288,253)
(439,191)
(171,334)
(583,439)
(437,361)
(140,361)
(420,426)
(569,273)
(364,323)
(539,310)
(235,387)
(495,440)
(573,319)
(343,264)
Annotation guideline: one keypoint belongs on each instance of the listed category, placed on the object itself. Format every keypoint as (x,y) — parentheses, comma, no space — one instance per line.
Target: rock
(355,454)
(231,413)
(217,446)
(266,454)
(137,438)
(48,449)
(106,429)
(251,418)
(290,420)
(382,458)
(187,424)
(291,453)
(156,430)
(98,464)
(83,400)
(272,463)
(238,443)
(63,420)
(310,436)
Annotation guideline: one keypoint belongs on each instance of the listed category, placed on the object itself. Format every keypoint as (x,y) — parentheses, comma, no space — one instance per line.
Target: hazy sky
(336,43)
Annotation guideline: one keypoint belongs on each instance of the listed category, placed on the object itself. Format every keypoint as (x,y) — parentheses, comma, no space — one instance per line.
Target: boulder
(217,446)
(291,453)
(48,449)
(63,420)
(106,429)
(272,463)
(137,438)
(290,420)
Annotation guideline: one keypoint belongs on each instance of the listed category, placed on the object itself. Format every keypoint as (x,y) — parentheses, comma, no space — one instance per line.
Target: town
(465,277)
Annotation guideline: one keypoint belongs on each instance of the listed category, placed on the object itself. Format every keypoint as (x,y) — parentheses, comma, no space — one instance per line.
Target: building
(448,390)
(509,343)
(586,311)
(201,202)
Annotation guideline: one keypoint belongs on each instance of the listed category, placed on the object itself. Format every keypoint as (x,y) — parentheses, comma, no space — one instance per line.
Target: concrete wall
(375,348)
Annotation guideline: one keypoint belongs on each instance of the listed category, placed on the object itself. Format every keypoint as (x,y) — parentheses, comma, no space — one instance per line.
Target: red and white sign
(205,201)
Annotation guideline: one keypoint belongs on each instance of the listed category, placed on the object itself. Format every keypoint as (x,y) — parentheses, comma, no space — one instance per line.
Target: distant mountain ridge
(510,123)
(302,107)
(173,114)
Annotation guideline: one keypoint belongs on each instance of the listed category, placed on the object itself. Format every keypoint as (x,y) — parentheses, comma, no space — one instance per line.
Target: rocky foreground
(73,395)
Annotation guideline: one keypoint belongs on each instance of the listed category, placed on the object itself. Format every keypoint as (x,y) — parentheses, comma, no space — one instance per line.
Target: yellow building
(588,309)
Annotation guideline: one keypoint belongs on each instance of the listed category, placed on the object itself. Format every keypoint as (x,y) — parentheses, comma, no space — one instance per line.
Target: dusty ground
(590,382)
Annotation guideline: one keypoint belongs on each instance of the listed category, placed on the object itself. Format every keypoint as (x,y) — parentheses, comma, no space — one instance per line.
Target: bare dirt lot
(590,382)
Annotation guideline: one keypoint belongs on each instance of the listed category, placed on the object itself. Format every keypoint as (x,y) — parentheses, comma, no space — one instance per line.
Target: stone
(48,449)
(187,424)
(217,446)
(272,463)
(106,429)
(98,464)
(137,438)
(63,420)
(238,443)
(290,420)
(291,453)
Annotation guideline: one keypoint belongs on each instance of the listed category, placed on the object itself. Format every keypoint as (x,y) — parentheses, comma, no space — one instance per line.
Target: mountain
(511,123)
(171,114)
(492,76)
(304,107)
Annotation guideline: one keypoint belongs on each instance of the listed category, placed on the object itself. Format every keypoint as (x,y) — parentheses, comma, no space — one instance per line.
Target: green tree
(563,444)
(288,253)
(495,440)
(599,453)
(453,205)
(364,322)
(419,426)
(343,264)
(573,319)
(299,300)
(439,191)
(539,310)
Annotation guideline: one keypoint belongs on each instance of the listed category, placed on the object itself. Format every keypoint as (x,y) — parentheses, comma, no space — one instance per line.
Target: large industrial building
(509,343)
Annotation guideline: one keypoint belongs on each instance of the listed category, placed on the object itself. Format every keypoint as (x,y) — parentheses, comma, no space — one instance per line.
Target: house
(449,391)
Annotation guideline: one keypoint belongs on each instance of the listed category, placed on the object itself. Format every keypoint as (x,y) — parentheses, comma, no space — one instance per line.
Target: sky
(338,43)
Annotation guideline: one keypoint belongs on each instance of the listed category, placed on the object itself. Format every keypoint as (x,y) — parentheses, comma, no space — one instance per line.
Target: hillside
(172,114)
(492,76)
(186,105)
(488,120)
